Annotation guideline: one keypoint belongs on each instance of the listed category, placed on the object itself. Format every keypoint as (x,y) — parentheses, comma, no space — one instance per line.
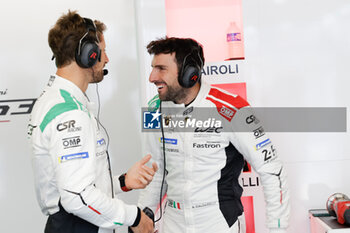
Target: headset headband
(90,25)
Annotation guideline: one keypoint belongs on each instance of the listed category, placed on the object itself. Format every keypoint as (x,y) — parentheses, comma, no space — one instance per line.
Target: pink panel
(248,205)
(247,201)
(217,25)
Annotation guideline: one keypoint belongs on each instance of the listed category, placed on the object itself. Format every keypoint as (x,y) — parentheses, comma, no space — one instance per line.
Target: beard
(175,94)
(97,76)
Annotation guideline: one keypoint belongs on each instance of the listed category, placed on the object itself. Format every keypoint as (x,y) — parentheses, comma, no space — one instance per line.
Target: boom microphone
(105,72)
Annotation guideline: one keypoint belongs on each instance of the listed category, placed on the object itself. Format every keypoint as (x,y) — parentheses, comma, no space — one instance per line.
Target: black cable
(99,123)
(98,101)
(164,163)
(108,158)
(98,115)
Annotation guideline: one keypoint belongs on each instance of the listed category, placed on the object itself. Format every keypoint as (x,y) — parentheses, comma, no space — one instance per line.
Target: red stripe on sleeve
(94,210)
(238,102)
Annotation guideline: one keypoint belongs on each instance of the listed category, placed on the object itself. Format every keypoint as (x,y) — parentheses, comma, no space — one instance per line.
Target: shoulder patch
(154,103)
(236,101)
(70,103)
(223,109)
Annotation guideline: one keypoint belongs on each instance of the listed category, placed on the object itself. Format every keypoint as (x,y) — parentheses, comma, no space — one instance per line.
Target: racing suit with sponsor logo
(203,165)
(72,175)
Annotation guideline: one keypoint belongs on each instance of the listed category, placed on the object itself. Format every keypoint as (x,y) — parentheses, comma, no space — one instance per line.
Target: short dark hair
(64,36)
(180,46)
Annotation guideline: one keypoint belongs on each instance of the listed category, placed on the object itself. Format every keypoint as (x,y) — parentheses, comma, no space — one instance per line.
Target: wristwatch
(122,183)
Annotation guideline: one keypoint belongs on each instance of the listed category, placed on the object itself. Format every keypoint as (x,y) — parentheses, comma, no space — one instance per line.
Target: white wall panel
(297,53)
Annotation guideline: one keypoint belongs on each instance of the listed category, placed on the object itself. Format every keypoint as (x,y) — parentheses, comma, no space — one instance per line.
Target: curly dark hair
(181,46)
(64,36)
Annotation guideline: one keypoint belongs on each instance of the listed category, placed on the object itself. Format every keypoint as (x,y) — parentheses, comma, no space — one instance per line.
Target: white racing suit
(71,165)
(204,163)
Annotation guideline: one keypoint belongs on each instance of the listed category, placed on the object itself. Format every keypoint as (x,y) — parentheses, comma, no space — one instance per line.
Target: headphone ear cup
(190,76)
(89,54)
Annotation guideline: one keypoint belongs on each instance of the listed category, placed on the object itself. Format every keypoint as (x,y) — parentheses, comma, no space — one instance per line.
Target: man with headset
(199,164)
(72,172)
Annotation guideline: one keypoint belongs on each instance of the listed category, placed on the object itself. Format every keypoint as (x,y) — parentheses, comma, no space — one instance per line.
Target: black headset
(190,72)
(88,52)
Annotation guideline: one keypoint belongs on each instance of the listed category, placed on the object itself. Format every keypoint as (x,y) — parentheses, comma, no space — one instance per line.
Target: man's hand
(146,224)
(140,175)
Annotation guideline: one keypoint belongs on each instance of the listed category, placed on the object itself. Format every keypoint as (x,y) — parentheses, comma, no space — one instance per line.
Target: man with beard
(72,172)
(199,167)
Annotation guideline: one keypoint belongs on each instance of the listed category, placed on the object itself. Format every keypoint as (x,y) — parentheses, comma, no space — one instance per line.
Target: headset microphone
(105,72)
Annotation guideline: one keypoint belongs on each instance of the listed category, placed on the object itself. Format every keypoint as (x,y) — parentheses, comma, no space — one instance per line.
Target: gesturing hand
(140,175)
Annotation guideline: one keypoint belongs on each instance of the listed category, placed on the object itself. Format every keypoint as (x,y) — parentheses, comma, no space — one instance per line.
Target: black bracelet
(138,218)
(122,183)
